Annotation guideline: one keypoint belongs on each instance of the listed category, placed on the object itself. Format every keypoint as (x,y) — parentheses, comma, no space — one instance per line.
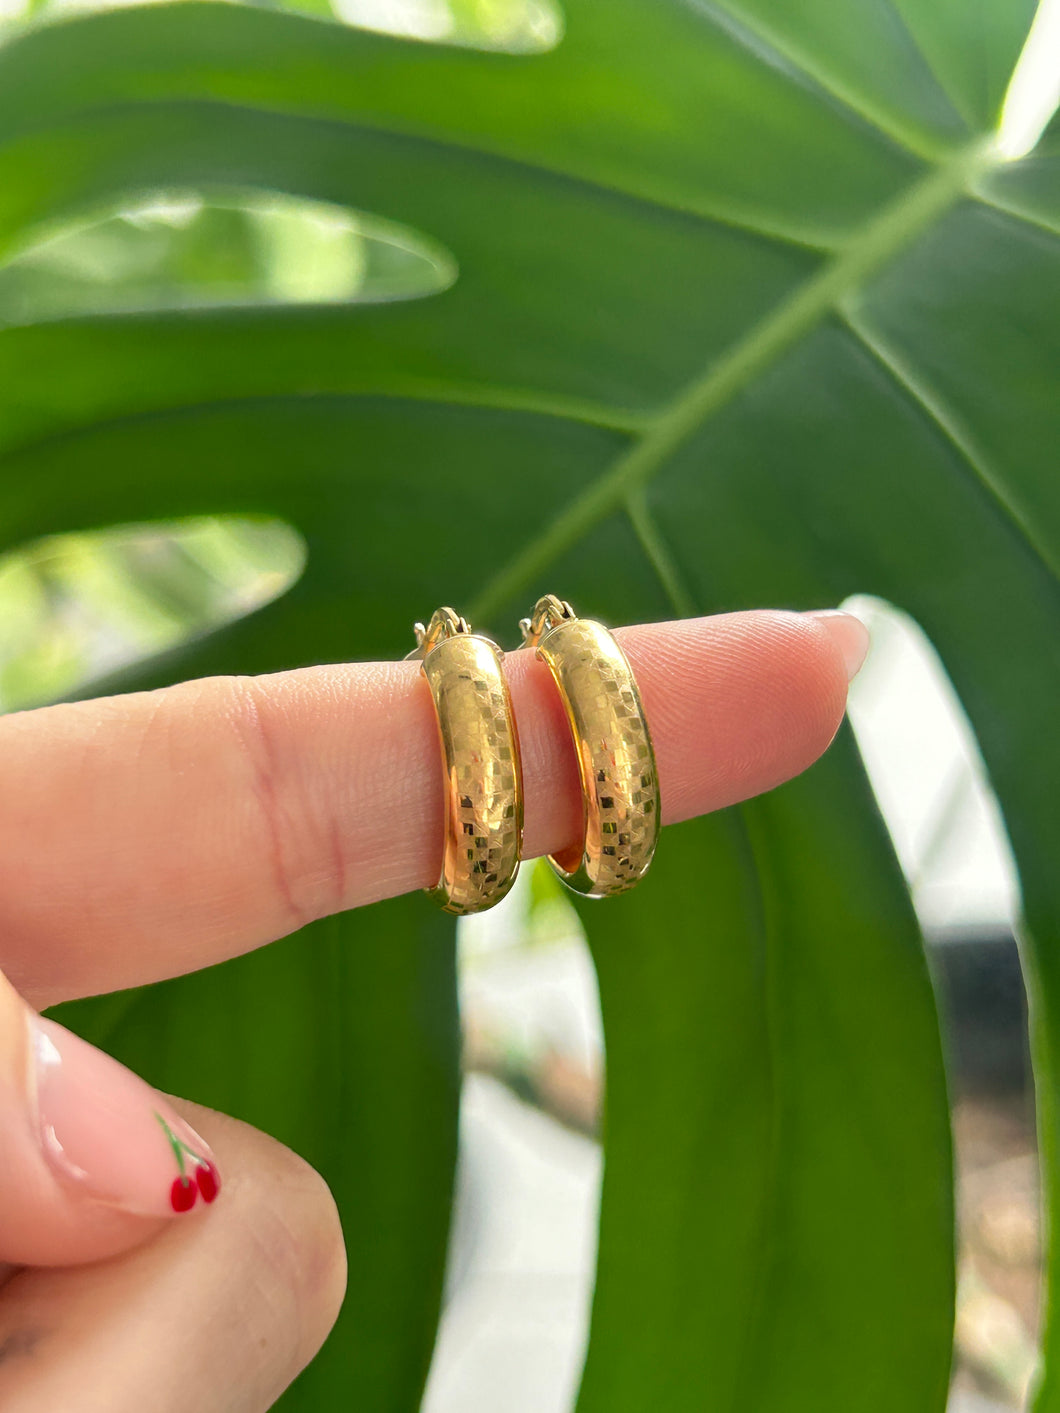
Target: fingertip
(94,1157)
(849,635)
(215,1315)
(109,1138)
(737,703)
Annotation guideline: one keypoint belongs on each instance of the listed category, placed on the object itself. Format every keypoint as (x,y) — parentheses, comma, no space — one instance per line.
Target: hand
(151,834)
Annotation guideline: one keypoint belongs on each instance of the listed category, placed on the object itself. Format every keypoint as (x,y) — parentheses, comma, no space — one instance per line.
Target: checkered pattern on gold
(480,751)
(615,756)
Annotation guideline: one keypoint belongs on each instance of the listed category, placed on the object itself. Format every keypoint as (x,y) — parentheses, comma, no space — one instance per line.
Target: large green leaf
(753,1187)
(749,310)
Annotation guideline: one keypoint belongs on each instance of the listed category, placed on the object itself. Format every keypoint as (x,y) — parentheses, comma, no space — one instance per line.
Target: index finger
(151,834)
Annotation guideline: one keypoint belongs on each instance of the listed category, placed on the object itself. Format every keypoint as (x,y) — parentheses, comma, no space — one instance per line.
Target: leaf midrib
(880,239)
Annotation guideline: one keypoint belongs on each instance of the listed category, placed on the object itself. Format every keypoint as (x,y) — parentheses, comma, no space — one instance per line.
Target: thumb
(92,1159)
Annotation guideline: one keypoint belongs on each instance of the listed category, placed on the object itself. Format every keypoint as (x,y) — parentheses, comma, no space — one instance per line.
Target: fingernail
(110,1134)
(850,636)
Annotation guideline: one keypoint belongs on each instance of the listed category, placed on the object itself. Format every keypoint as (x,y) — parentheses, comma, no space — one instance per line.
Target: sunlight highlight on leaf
(1034,92)
(511,26)
(186,250)
(74,608)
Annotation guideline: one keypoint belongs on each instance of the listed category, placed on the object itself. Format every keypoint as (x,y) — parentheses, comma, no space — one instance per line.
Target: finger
(92,1159)
(218,1316)
(154,833)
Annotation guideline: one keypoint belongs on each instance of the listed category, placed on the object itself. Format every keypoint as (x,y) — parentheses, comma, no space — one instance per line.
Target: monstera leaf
(732,302)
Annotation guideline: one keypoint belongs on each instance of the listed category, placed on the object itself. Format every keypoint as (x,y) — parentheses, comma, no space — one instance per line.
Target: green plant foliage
(749,310)
(754,1188)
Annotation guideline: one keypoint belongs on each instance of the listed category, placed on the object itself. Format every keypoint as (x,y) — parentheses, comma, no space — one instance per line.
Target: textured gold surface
(619,780)
(483,784)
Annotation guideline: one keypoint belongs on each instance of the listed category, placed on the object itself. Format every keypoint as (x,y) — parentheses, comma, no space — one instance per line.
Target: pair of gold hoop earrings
(480,756)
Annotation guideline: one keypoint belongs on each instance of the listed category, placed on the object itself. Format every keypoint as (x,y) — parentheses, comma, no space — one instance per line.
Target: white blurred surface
(974,1403)
(929,778)
(524,1247)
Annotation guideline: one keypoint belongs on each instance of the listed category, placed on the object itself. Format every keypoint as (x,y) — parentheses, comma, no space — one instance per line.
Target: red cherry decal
(209,1180)
(182,1194)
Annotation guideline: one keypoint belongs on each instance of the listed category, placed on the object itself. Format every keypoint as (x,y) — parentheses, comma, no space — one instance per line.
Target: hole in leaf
(512,26)
(929,778)
(78,607)
(1033,94)
(932,788)
(186,250)
(508,26)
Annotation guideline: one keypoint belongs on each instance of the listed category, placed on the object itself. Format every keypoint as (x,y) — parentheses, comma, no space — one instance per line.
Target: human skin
(152,834)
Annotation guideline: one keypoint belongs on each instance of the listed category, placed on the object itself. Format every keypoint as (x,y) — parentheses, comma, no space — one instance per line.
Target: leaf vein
(1038,221)
(659,555)
(440,394)
(765,45)
(911,385)
(733,218)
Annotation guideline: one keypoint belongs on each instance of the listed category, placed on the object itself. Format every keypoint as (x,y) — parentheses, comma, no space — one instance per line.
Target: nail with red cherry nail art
(203,1179)
(107,1134)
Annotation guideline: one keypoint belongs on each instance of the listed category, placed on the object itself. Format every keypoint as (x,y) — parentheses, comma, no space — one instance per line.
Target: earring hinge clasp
(549,612)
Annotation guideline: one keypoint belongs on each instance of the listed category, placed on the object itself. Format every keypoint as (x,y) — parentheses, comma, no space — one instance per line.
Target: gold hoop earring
(480,758)
(620,784)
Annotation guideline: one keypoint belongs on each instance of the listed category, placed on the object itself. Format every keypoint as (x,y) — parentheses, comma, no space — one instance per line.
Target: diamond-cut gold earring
(480,759)
(620,784)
